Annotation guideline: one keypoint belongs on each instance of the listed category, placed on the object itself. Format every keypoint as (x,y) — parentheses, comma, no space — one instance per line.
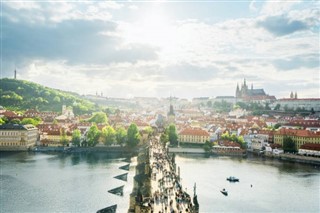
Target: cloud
(189,73)
(273,8)
(281,25)
(55,12)
(296,62)
(252,6)
(74,41)
(86,48)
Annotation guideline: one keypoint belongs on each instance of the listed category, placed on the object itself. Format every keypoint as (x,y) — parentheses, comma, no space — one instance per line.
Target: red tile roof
(310,146)
(297,132)
(197,132)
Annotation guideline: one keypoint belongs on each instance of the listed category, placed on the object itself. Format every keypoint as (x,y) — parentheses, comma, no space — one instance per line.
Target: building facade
(17,136)
(299,137)
(193,136)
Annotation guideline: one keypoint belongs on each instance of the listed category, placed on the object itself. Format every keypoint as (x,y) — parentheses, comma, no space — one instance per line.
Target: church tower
(171,115)
(291,95)
(238,94)
(244,89)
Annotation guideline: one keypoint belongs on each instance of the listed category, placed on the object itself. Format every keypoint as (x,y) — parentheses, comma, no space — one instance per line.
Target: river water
(277,186)
(38,182)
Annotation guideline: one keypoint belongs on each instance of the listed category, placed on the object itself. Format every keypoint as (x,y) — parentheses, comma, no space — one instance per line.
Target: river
(277,186)
(38,182)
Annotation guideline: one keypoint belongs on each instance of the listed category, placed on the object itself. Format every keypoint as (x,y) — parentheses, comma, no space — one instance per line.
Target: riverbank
(283,157)
(295,158)
(107,149)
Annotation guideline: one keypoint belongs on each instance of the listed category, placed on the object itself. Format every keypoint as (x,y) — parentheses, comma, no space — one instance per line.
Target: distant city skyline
(157,49)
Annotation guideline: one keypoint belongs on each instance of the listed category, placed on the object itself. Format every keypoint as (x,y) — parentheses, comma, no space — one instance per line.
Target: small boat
(233,179)
(224,191)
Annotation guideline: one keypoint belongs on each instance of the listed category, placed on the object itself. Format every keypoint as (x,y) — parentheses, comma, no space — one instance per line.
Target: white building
(302,103)
(17,136)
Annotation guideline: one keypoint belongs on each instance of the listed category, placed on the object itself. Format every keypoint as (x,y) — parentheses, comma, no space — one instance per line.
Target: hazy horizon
(161,48)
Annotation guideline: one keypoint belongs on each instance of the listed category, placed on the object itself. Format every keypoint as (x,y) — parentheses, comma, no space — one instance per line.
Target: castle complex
(256,95)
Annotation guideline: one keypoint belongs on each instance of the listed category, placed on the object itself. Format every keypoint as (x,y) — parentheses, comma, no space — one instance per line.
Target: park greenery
(20,95)
(234,138)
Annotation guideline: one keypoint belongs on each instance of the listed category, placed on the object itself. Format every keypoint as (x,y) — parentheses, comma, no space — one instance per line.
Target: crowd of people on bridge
(168,194)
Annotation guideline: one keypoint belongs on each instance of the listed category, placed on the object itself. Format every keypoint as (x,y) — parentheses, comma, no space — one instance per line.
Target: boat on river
(232,179)
(224,191)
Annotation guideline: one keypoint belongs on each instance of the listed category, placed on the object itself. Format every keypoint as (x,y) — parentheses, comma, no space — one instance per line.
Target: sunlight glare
(152,28)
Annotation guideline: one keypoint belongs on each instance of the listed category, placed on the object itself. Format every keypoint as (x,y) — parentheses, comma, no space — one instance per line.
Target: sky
(163,48)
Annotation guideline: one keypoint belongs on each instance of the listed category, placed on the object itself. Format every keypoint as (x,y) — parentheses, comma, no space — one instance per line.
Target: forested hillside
(21,95)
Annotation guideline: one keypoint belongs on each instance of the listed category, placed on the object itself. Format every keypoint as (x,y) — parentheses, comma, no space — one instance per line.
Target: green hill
(21,95)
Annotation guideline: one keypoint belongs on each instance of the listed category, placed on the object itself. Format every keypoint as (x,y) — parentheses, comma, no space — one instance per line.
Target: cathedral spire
(237,91)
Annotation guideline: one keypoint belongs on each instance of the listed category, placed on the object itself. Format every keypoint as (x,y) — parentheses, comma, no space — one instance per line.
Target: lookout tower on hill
(171,114)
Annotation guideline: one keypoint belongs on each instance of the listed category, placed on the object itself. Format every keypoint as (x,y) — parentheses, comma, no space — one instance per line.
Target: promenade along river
(38,182)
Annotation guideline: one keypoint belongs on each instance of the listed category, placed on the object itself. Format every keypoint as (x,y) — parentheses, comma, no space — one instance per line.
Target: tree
(55,122)
(76,137)
(2,121)
(234,138)
(267,107)
(15,121)
(32,121)
(209,104)
(207,147)
(149,130)
(277,107)
(164,138)
(172,134)
(99,117)
(133,135)
(277,125)
(288,144)
(108,135)
(242,143)
(121,136)
(93,135)
(63,137)
(225,136)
